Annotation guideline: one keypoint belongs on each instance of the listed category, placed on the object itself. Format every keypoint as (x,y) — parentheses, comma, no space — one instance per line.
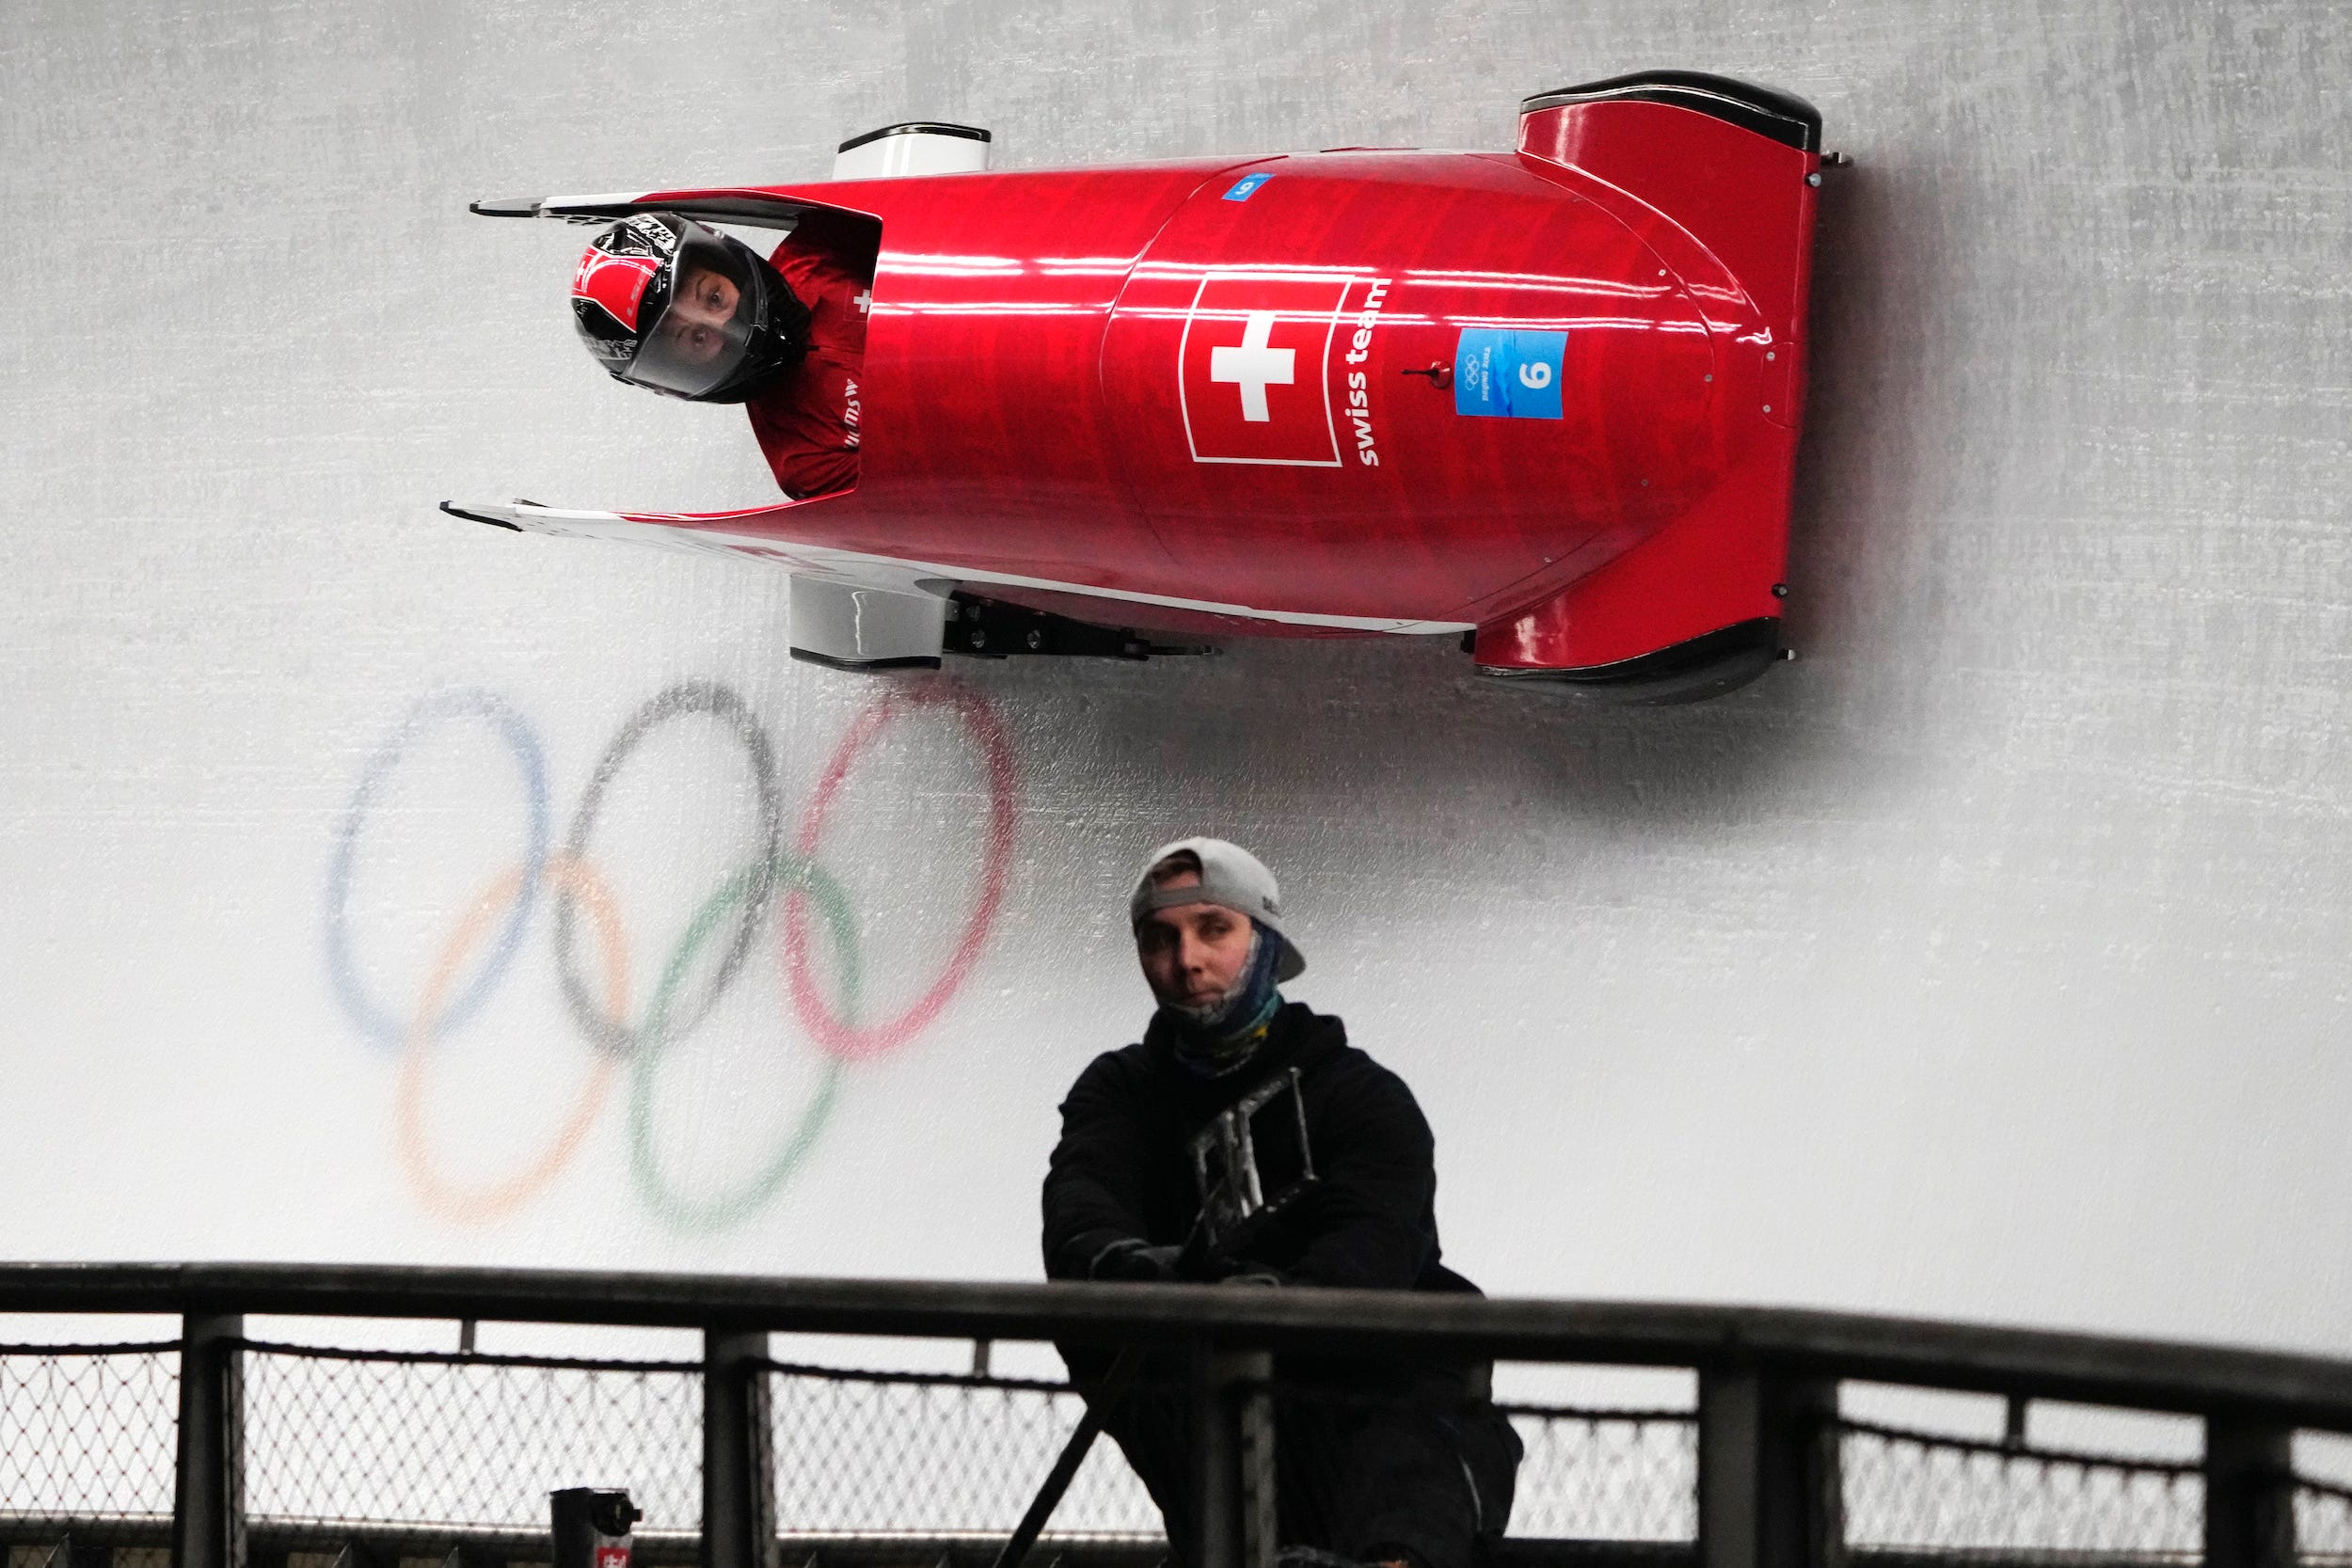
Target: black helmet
(669,305)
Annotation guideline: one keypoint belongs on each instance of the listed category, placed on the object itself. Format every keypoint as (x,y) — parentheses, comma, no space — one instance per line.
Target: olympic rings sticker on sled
(730,916)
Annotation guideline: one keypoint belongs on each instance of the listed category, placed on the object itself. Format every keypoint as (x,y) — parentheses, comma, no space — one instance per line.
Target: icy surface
(1991,961)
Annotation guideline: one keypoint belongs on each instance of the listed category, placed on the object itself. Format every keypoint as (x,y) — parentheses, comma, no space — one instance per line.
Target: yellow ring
(481,1205)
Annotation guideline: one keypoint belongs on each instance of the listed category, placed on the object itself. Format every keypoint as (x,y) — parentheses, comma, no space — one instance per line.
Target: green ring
(779,876)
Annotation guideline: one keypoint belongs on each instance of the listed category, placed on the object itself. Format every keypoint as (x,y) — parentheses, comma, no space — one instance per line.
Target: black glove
(1251,1274)
(1132,1258)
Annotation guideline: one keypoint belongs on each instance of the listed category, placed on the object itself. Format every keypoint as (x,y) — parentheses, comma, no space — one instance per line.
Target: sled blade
(735,532)
(749,208)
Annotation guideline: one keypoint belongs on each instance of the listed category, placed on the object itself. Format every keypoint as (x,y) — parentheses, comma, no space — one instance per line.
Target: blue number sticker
(1247,186)
(1508,375)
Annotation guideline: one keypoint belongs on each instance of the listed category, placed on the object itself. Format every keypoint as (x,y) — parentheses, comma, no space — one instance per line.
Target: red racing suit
(806,419)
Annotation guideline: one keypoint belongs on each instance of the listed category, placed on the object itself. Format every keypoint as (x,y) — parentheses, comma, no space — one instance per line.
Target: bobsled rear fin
(1767,111)
(1740,184)
(1692,671)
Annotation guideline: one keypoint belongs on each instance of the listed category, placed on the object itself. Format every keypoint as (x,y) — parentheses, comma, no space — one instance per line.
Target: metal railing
(233,1452)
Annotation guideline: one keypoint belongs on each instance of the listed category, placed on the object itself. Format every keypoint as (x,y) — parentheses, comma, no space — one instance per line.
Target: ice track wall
(1991,961)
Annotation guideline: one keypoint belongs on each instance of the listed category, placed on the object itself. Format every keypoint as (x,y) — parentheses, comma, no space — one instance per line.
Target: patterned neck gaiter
(1218,1039)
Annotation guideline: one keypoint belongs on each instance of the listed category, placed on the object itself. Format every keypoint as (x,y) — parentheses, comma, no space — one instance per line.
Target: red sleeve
(814,471)
(807,420)
(807,423)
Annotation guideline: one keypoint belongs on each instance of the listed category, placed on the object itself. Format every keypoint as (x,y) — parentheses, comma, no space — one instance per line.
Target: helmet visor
(707,324)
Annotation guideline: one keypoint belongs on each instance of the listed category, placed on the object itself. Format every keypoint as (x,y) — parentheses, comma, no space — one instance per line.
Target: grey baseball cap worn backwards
(1231,877)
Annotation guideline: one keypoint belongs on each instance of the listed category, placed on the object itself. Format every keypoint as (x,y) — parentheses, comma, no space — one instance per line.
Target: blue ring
(380,1023)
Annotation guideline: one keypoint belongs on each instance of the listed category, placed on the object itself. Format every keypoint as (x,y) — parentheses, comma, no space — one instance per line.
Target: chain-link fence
(426,1446)
(423,1452)
(937,1454)
(1924,1493)
(1606,1475)
(432,1444)
(421,1446)
(2323,1522)
(88,1433)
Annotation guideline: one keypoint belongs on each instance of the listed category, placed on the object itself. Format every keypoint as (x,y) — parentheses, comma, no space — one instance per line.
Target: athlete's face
(694,328)
(1193,954)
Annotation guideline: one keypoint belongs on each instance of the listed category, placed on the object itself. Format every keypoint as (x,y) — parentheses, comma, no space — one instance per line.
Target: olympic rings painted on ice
(739,906)
(380,1023)
(829,1028)
(611,1030)
(746,888)
(499,1198)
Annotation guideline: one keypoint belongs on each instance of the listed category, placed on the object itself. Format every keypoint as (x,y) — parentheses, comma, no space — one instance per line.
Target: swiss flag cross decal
(1253,369)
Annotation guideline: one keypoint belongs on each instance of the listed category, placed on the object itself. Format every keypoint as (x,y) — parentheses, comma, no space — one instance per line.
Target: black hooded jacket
(1412,1462)
(1123,1167)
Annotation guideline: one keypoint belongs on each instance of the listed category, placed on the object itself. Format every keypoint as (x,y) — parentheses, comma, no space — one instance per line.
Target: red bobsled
(1546,400)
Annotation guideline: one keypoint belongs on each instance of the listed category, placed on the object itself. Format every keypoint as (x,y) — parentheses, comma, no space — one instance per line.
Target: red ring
(854,1042)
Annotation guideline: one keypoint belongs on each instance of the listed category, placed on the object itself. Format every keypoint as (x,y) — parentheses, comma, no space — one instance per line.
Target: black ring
(689,697)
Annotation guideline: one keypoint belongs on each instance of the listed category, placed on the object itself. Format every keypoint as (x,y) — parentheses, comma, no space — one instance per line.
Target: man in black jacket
(1402,1460)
